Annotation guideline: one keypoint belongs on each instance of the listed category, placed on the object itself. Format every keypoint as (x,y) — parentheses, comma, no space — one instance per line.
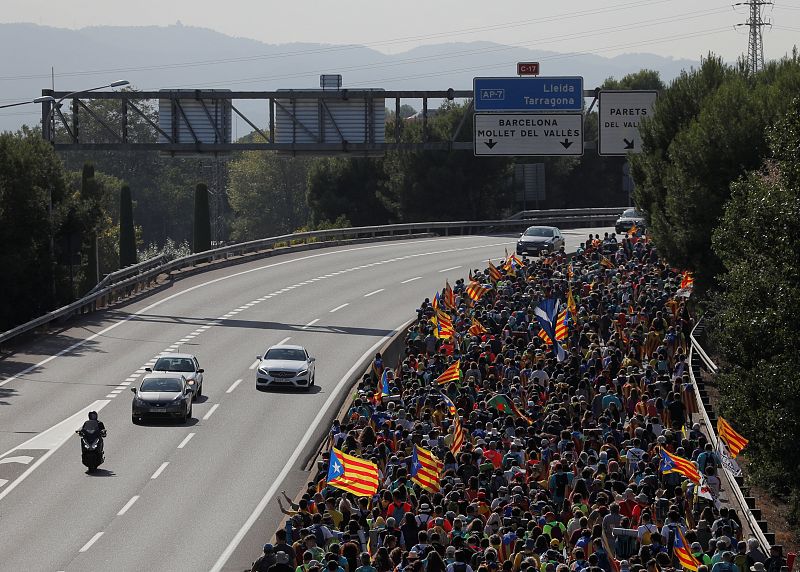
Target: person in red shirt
(627,504)
(493,455)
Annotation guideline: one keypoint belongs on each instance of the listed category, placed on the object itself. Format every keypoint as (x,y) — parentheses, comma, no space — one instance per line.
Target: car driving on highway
(187,365)
(287,366)
(162,395)
(538,238)
(628,219)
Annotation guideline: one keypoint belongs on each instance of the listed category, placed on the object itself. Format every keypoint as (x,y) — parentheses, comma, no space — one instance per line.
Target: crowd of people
(547,436)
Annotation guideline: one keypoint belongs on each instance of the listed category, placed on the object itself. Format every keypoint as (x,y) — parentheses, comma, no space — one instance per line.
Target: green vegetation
(720,182)
(201,237)
(127,232)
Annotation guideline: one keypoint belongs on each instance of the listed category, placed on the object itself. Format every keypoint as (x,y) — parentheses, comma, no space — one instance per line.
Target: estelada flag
(352,474)
(680,549)
(449,296)
(452,373)
(732,439)
(458,430)
(674,464)
(426,469)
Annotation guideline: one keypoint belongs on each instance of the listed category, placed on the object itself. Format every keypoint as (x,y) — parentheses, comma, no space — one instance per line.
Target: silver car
(288,366)
(535,239)
(162,395)
(187,365)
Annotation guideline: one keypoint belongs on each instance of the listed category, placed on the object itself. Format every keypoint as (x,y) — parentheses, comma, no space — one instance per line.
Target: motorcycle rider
(94,425)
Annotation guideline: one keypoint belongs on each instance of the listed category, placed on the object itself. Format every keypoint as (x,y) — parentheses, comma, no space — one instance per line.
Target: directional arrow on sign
(628,144)
(566,143)
(490,143)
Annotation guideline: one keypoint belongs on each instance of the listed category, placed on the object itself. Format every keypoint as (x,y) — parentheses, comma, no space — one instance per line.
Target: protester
(488,447)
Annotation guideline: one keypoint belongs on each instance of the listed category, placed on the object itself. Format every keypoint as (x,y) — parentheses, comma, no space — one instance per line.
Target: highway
(198,496)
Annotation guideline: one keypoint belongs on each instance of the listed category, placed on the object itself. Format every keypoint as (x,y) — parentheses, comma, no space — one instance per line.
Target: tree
(90,194)
(707,131)
(643,79)
(342,187)
(756,326)
(267,194)
(31,179)
(201,237)
(127,232)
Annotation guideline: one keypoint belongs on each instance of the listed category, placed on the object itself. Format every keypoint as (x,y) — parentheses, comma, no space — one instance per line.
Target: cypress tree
(89,194)
(201,235)
(127,234)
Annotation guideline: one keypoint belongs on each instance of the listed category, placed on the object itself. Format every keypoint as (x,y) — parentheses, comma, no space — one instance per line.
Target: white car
(186,364)
(287,366)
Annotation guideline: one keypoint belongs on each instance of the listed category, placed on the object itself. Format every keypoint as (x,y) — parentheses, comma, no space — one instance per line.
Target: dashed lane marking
(92,540)
(233,386)
(160,470)
(374,292)
(187,438)
(128,505)
(210,412)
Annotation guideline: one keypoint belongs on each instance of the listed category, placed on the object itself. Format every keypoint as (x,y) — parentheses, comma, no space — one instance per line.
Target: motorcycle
(91,448)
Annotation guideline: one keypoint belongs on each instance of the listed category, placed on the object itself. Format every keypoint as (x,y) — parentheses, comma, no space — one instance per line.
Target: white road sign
(519,134)
(619,116)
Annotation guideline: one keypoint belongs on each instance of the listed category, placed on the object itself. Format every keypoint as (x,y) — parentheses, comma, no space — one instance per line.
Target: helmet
(93,415)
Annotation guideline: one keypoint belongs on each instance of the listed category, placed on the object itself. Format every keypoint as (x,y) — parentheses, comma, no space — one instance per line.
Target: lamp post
(49,105)
(42,99)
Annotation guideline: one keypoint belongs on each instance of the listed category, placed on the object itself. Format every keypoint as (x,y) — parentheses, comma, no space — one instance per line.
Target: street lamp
(50,119)
(42,99)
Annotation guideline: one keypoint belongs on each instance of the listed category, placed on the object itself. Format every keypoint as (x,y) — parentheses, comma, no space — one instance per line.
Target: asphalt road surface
(198,496)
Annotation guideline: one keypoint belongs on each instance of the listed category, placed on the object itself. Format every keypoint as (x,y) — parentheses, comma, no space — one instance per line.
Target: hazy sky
(679,28)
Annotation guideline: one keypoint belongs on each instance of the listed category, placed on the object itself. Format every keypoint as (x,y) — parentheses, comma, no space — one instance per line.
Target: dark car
(185,364)
(628,219)
(162,395)
(538,238)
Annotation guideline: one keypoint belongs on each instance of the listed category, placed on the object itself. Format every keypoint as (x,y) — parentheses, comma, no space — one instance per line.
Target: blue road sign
(528,93)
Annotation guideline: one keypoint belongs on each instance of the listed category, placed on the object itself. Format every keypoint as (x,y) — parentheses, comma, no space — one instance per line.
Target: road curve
(182,497)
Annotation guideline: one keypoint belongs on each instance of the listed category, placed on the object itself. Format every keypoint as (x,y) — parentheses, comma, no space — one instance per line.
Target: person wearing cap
(281,563)
(266,560)
(282,546)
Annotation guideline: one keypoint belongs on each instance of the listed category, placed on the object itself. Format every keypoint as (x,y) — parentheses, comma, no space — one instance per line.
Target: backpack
(317,531)
(556,533)
(648,533)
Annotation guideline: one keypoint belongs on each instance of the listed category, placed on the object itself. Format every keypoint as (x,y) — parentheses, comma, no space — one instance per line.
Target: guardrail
(740,499)
(134,279)
(535,214)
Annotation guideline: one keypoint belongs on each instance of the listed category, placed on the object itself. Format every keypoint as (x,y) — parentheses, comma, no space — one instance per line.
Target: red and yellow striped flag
(476,291)
(687,280)
(732,439)
(443,325)
(606,262)
(426,469)
(452,373)
(458,430)
(494,272)
(674,464)
(681,551)
(449,296)
(352,474)
(562,330)
(476,329)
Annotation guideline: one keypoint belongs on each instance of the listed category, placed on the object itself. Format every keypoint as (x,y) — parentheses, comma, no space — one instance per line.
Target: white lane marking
(242,273)
(140,371)
(3,482)
(301,447)
(160,470)
(92,540)
(187,439)
(210,412)
(51,439)
(449,269)
(337,308)
(24,459)
(126,383)
(311,323)
(411,279)
(373,292)
(110,396)
(233,386)
(128,505)
(116,392)
(284,340)
(254,364)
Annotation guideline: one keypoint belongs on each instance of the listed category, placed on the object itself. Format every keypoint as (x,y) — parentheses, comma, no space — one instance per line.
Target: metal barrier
(536,214)
(134,279)
(744,508)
